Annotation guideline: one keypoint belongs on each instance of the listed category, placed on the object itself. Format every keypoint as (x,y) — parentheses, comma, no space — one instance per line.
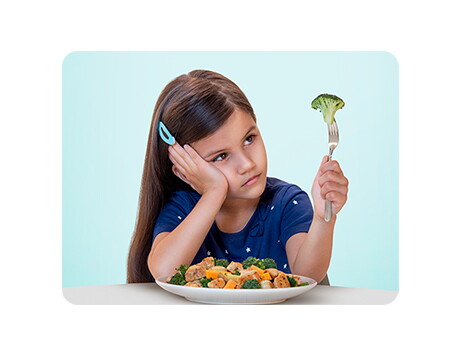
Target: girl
(208,194)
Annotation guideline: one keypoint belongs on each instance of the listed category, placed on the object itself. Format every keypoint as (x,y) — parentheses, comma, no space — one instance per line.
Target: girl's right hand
(190,167)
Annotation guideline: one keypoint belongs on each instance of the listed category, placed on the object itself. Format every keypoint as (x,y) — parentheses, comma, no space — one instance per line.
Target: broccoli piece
(269,263)
(178,279)
(253,261)
(221,262)
(250,284)
(292,281)
(304,284)
(249,261)
(260,264)
(328,105)
(205,281)
(182,269)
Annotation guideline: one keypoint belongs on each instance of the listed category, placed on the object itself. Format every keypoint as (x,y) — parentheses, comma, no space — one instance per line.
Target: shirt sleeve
(297,213)
(173,213)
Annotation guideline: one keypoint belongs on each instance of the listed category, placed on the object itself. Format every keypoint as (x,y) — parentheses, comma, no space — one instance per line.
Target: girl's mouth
(252,180)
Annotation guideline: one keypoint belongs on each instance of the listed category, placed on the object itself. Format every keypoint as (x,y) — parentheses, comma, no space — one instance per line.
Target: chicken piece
(266,284)
(247,275)
(233,266)
(195,272)
(273,272)
(281,281)
(217,283)
(195,283)
(219,268)
(253,274)
(241,280)
(207,262)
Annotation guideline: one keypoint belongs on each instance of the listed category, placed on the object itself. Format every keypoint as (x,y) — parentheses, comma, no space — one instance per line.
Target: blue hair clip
(165,134)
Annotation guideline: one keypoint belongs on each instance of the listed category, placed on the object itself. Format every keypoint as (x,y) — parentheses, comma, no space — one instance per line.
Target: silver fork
(333,140)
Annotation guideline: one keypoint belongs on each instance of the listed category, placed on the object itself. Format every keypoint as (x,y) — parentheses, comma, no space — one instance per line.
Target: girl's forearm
(181,245)
(314,255)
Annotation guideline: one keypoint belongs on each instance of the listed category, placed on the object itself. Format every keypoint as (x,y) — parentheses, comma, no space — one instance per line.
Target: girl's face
(238,151)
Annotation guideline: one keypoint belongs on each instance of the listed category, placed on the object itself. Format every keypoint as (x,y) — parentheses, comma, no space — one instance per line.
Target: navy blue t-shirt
(284,210)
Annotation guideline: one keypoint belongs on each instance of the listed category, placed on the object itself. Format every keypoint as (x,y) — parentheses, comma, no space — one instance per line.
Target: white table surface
(151,293)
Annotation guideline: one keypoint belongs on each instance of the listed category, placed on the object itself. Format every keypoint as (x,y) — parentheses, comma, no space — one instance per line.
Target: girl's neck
(235,214)
(236,206)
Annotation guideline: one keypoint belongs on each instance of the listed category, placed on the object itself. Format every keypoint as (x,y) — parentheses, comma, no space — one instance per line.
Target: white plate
(236,296)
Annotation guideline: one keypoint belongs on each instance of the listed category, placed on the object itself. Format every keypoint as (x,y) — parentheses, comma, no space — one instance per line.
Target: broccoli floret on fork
(328,106)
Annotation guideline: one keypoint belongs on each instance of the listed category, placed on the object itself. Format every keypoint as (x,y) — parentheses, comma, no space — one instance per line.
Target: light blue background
(108,100)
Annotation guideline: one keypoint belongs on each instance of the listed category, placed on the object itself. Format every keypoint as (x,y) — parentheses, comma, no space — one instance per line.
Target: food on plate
(328,105)
(250,284)
(281,281)
(195,273)
(216,283)
(252,273)
(235,266)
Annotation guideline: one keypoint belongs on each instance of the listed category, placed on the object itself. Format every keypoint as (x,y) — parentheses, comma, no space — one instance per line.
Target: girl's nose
(245,164)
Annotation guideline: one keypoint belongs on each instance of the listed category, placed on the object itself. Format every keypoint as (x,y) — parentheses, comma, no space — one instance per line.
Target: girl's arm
(171,249)
(309,254)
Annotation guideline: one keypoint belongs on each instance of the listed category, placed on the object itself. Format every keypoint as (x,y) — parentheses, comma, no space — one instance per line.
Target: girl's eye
(220,157)
(249,139)
(223,156)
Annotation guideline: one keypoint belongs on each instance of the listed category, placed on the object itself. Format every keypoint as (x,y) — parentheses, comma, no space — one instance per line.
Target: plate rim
(257,296)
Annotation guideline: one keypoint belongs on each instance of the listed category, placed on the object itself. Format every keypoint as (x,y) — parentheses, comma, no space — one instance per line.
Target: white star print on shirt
(208,253)
(295,202)
(179,217)
(285,266)
(248,249)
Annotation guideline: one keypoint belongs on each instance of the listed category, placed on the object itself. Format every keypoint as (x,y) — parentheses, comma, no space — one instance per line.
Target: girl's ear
(180,175)
(176,172)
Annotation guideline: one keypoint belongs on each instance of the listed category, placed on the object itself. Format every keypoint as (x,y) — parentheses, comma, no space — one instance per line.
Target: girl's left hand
(329,184)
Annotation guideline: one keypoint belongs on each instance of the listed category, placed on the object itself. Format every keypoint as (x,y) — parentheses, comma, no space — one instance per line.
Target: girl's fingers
(197,160)
(190,156)
(193,154)
(179,155)
(330,166)
(179,149)
(330,184)
(338,200)
(332,176)
(331,187)
(177,165)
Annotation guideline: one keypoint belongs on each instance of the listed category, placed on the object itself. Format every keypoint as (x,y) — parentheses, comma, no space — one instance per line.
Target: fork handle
(328,205)
(328,211)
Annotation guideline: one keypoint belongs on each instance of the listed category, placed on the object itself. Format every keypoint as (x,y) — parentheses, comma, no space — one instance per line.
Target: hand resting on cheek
(190,167)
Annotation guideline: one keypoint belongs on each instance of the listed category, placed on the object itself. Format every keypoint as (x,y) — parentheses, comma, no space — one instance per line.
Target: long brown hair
(192,106)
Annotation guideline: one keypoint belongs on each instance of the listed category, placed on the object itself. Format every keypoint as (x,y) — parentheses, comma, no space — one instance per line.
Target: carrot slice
(230,284)
(266,276)
(213,274)
(259,270)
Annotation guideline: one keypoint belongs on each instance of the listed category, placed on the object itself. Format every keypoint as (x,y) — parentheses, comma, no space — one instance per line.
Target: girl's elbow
(317,275)
(153,268)
(320,277)
(156,269)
